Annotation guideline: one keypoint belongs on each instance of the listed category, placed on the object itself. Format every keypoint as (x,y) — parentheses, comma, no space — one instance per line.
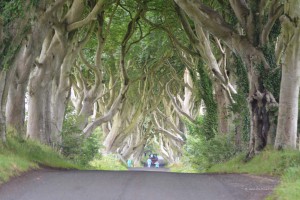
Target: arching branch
(275,12)
(177,108)
(173,126)
(91,16)
(109,115)
(166,132)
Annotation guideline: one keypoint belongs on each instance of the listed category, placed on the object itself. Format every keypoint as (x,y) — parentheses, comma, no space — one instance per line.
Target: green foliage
(8,54)
(34,3)
(11,10)
(75,146)
(204,147)
(242,76)
(210,121)
(242,120)
(11,15)
(271,77)
(203,153)
(78,149)
(276,30)
(240,107)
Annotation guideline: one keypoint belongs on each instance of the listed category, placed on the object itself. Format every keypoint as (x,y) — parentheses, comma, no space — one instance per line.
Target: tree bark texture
(40,92)
(15,107)
(286,137)
(3,83)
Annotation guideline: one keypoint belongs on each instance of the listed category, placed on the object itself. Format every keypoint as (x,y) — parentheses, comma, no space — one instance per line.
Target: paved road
(134,185)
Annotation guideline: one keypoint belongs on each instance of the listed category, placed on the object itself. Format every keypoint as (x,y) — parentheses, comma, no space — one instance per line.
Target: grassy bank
(18,156)
(284,164)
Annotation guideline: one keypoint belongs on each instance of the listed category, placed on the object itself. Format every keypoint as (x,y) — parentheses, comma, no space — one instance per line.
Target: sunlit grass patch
(182,168)
(108,162)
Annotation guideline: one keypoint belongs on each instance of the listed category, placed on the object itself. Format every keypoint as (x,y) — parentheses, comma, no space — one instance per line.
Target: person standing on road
(149,161)
(157,164)
(129,163)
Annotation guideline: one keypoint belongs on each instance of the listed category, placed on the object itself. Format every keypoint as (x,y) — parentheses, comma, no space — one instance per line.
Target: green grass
(108,162)
(285,164)
(19,155)
(267,162)
(38,153)
(182,168)
(11,165)
(289,188)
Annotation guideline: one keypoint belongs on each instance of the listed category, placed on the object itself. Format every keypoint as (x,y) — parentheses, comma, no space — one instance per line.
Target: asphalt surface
(135,184)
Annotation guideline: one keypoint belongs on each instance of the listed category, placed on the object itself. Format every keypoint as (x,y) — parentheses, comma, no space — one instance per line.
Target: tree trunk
(35,127)
(58,107)
(261,106)
(114,132)
(220,96)
(286,135)
(15,107)
(3,80)
(60,95)
(39,107)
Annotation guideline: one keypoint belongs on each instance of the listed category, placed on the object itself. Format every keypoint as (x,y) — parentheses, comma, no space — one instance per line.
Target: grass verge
(182,168)
(285,164)
(19,155)
(108,162)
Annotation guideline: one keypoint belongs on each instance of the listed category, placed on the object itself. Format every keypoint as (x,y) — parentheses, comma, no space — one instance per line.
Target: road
(50,184)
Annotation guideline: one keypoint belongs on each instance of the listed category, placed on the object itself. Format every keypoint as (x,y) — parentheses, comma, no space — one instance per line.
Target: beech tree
(289,48)
(55,57)
(247,39)
(13,31)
